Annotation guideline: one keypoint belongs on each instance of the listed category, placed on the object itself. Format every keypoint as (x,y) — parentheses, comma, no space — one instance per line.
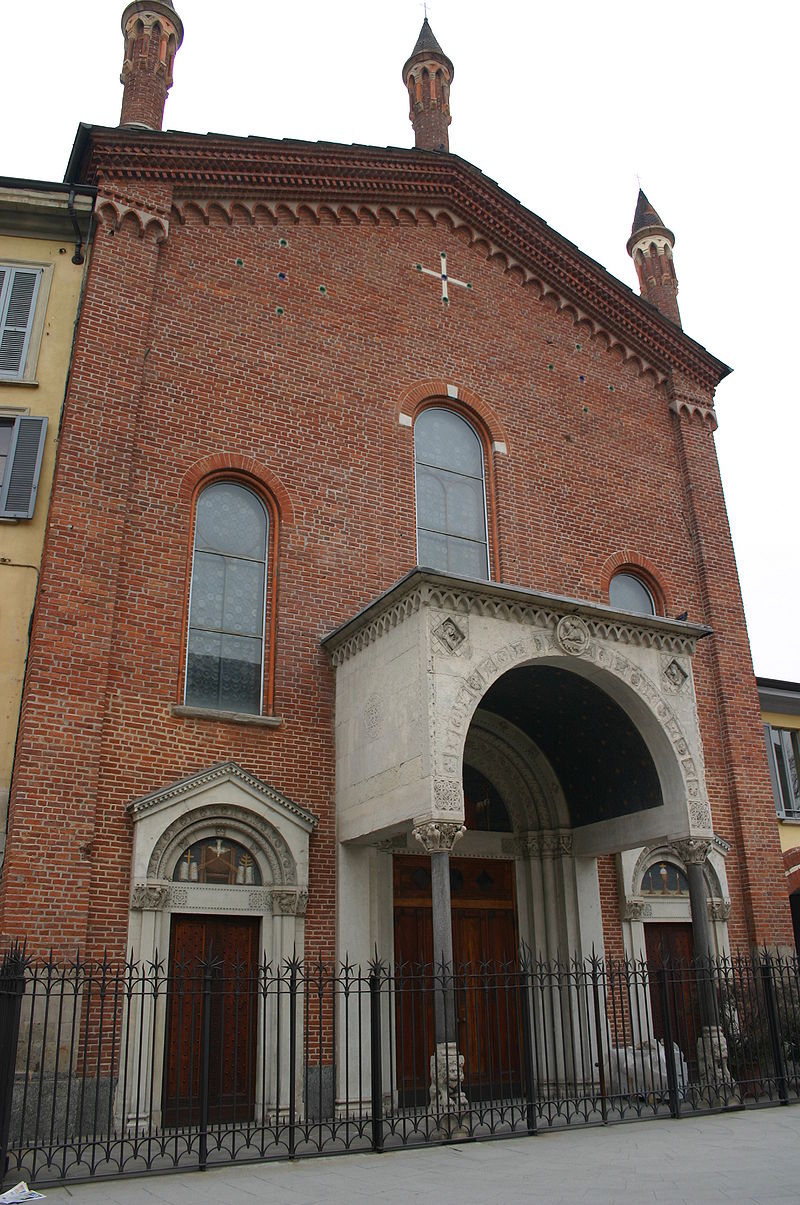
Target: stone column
(437,838)
(694,852)
(288,910)
(139,1033)
(712,1048)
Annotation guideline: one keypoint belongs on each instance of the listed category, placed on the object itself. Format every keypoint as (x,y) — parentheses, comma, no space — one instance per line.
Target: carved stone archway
(413,667)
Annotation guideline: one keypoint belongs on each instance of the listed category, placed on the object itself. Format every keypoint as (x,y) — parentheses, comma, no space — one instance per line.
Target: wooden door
(231,998)
(484,955)
(672,943)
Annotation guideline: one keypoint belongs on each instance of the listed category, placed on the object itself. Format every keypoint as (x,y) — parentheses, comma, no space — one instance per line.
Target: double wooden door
(485,943)
(218,1010)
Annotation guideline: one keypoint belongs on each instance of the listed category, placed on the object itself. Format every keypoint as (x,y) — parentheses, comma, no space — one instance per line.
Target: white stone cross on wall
(445,279)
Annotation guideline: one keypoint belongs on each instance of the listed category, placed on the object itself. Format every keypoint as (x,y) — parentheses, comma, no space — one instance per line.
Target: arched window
(629,593)
(225,648)
(451,496)
(217,860)
(664,878)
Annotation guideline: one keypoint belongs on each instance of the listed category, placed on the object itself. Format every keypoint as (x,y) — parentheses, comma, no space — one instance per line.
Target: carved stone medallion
(449,635)
(448,794)
(572,635)
(675,674)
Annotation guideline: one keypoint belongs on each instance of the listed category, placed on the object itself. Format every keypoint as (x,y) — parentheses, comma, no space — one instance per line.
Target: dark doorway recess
(670,951)
(485,941)
(229,947)
(599,757)
(794,901)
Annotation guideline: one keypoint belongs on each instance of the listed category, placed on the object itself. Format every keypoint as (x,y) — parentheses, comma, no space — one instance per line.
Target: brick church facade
(376,502)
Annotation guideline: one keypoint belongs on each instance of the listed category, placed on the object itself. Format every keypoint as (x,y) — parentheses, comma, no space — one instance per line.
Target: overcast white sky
(563,105)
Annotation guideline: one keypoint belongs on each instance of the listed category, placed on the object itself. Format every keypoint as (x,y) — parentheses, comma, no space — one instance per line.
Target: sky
(568,107)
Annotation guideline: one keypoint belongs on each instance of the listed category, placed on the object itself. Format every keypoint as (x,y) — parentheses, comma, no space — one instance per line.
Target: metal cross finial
(445,279)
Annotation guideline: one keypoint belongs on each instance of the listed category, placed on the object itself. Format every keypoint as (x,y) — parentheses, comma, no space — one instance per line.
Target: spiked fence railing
(112,1067)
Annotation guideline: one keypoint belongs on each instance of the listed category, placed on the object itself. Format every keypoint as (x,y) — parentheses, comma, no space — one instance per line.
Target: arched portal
(581,718)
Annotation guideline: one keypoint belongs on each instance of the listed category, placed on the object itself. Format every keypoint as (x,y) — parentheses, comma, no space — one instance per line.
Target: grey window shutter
(773,771)
(18,291)
(21,478)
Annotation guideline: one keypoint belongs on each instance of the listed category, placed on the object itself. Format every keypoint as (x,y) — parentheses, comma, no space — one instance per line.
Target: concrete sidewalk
(734,1157)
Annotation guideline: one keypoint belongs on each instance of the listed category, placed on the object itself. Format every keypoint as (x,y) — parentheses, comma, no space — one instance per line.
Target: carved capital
(637,910)
(530,845)
(556,843)
(692,850)
(438,836)
(719,909)
(149,897)
(289,902)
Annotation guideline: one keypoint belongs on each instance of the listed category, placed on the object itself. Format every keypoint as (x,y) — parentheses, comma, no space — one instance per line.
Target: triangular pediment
(190,792)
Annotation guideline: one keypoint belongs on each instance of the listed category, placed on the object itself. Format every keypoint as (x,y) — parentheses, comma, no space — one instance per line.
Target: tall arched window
(451,495)
(225,648)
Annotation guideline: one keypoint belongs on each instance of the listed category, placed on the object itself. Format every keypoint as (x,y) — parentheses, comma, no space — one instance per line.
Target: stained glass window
(225,653)
(451,499)
(217,860)
(664,878)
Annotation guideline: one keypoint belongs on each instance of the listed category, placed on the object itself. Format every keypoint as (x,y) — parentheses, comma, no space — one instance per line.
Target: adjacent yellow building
(780,712)
(45,231)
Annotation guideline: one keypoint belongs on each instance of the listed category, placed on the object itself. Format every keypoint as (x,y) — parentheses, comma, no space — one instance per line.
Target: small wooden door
(231,998)
(673,944)
(484,954)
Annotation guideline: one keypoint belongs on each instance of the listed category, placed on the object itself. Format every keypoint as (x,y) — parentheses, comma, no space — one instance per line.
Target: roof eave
(441,166)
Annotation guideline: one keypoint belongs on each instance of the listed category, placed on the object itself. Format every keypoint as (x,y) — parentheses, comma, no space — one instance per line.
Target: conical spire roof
(426,40)
(646,216)
(427,47)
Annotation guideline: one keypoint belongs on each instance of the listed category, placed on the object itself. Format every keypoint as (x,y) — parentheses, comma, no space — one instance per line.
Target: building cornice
(37,209)
(222,773)
(216,166)
(428,588)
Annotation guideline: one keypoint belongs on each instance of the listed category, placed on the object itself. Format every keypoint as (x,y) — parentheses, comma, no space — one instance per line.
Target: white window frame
(26,375)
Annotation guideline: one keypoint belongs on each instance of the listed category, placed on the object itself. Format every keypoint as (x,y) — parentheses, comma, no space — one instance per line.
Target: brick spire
(427,74)
(153,32)
(650,247)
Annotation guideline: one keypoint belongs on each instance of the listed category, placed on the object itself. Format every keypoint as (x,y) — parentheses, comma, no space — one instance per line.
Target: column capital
(438,836)
(692,850)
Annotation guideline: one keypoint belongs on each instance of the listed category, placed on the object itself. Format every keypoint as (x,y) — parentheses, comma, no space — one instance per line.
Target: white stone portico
(412,670)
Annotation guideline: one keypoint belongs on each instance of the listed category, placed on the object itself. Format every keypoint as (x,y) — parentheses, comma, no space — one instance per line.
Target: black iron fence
(109,1068)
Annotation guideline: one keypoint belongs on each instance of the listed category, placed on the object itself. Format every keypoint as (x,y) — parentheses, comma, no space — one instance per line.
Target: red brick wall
(182,358)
